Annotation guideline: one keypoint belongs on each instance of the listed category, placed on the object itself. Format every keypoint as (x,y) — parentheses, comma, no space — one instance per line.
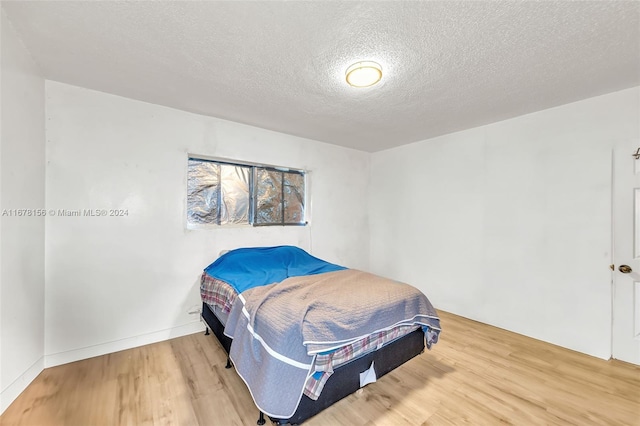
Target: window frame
(254,202)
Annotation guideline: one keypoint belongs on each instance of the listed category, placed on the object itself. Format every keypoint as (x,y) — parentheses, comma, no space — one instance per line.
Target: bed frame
(345,379)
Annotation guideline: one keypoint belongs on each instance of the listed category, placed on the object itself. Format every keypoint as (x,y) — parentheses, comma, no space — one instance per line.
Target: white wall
(118,282)
(509,223)
(22,150)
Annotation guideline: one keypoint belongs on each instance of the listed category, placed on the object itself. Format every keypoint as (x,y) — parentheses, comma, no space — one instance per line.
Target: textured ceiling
(448,66)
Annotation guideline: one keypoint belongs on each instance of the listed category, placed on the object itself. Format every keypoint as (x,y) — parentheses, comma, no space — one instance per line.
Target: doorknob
(625,269)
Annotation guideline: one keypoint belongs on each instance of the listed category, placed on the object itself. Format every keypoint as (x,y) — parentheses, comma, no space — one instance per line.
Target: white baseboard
(66,357)
(11,392)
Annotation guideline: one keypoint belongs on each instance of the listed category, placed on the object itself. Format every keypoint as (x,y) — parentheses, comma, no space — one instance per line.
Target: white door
(626,251)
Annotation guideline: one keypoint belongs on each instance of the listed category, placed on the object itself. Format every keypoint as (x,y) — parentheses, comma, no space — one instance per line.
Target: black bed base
(345,379)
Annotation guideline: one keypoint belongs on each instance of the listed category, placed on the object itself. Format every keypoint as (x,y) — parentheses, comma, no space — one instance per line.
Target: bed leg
(206,331)
(229,366)
(261,419)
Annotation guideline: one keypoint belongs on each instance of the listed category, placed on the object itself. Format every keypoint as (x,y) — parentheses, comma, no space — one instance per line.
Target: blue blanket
(246,268)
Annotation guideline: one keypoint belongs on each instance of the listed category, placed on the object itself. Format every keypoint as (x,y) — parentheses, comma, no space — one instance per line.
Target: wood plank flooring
(476,375)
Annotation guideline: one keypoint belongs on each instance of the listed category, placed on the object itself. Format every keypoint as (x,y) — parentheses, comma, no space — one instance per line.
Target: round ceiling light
(364,74)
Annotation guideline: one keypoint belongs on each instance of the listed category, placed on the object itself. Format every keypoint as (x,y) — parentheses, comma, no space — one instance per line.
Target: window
(221,193)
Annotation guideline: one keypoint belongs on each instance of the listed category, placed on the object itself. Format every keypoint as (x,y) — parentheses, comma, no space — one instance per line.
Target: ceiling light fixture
(364,74)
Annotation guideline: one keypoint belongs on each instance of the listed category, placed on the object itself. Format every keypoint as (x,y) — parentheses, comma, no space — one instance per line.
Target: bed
(304,333)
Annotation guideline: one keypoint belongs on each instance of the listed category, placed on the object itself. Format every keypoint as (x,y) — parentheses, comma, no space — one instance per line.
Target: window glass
(268,196)
(203,192)
(293,198)
(235,194)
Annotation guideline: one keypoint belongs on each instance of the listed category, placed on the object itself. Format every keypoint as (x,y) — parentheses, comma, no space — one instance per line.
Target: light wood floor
(476,374)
